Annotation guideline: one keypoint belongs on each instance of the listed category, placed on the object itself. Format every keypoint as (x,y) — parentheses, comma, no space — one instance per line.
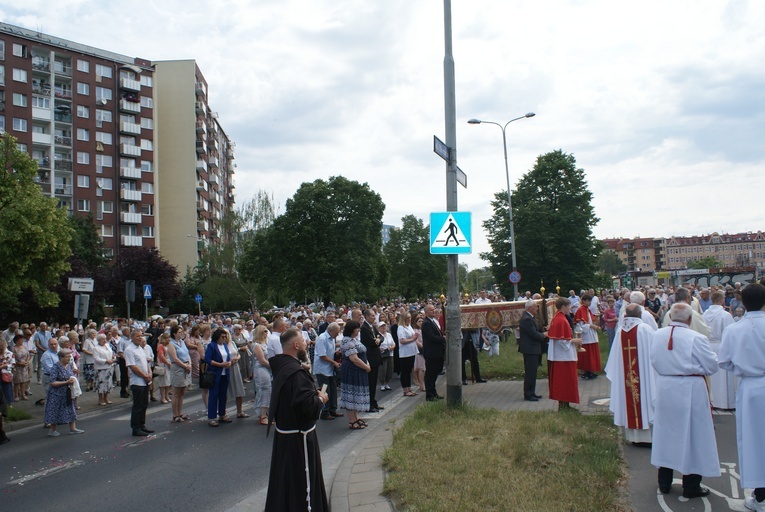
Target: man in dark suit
(370,338)
(434,350)
(530,344)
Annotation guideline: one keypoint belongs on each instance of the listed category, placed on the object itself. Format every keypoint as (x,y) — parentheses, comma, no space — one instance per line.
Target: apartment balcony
(63,165)
(131,173)
(43,163)
(201,206)
(62,140)
(130,150)
(201,165)
(131,128)
(201,185)
(213,162)
(42,114)
(130,106)
(200,108)
(62,190)
(39,64)
(131,241)
(130,218)
(202,225)
(62,68)
(230,153)
(212,141)
(62,118)
(214,180)
(130,84)
(130,195)
(202,128)
(41,138)
(200,89)
(63,93)
(201,147)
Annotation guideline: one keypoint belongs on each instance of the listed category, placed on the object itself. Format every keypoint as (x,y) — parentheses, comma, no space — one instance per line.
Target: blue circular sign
(198,298)
(514,277)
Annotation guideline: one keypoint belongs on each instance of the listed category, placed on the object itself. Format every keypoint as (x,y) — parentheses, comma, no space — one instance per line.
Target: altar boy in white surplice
(721,385)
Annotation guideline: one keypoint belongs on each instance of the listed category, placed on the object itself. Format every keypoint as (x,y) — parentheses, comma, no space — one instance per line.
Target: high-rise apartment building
(91,119)
(196,159)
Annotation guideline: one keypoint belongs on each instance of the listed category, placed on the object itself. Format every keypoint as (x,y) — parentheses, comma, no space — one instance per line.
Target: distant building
(386,233)
(130,142)
(676,253)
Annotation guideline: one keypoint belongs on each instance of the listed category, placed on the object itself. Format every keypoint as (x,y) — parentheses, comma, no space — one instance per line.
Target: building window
(2,49)
(2,124)
(106,138)
(103,115)
(19,100)
(146,81)
(106,183)
(83,181)
(104,160)
(41,102)
(107,230)
(104,71)
(147,102)
(20,125)
(146,166)
(147,122)
(83,111)
(147,209)
(83,205)
(22,147)
(108,253)
(83,134)
(19,75)
(83,89)
(2,75)
(147,145)
(83,65)
(83,158)
(103,93)
(147,231)
(107,206)
(19,50)
(147,188)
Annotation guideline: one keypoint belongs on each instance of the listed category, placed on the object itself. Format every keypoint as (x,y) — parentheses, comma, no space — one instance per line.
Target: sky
(661,103)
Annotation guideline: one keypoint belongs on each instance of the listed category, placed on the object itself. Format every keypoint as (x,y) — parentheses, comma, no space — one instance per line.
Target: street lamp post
(509,198)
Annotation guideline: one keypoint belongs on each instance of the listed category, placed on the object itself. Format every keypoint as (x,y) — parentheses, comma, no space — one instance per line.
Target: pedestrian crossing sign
(450,233)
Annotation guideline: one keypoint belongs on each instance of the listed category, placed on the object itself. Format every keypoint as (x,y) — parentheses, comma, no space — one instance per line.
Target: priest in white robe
(637,297)
(697,321)
(632,377)
(683,433)
(743,352)
(722,386)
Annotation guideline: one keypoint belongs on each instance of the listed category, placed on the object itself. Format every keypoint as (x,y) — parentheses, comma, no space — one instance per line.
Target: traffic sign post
(450,233)
(198,299)
(515,278)
(146,297)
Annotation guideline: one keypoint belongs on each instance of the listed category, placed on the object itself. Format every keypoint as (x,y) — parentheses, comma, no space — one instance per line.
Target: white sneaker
(382,388)
(753,504)
(54,433)
(76,431)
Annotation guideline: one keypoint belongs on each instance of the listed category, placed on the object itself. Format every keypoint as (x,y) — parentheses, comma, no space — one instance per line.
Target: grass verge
(487,460)
(17,414)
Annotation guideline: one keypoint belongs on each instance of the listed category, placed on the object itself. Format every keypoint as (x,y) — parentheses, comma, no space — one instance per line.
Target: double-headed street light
(509,199)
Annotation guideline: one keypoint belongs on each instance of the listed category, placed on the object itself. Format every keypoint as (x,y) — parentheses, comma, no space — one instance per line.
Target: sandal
(176,419)
(102,404)
(356,425)
(363,423)
(264,420)
(410,393)
(212,423)
(184,417)
(224,419)
(242,415)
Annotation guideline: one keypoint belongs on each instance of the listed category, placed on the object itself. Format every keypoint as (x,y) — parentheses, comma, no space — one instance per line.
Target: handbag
(160,370)
(76,389)
(207,379)
(7,377)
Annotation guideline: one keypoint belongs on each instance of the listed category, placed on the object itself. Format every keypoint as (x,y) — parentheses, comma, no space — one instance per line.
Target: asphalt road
(184,466)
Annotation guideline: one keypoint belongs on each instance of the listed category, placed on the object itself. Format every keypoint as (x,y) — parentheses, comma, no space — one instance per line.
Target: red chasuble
(631,379)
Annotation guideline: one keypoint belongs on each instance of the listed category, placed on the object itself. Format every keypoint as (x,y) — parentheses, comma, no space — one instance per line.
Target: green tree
(34,233)
(705,262)
(327,245)
(414,272)
(554,217)
(609,263)
(479,279)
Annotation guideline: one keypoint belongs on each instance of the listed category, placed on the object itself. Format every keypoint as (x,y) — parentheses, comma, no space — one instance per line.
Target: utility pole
(453,325)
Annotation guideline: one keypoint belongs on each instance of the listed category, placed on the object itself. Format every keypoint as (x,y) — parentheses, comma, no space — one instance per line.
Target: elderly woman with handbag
(59,403)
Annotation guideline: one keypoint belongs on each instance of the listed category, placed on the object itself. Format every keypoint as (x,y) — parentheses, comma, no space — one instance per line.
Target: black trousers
(469,353)
(530,366)
(372,375)
(406,366)
(690,482)
(140,404)
(124,377)
(433,366)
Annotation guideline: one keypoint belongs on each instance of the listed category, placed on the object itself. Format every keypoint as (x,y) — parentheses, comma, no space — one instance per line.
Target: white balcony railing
(132,128)
(130,195)
(130,218)
(130,106)
(201,165)
(130,150)
(130,84)
(133,173)
(132,241)
(41,138)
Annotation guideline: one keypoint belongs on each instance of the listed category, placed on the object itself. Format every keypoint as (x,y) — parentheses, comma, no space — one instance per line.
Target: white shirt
(406,349)
(274,345)
(135,356)
(594,309)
